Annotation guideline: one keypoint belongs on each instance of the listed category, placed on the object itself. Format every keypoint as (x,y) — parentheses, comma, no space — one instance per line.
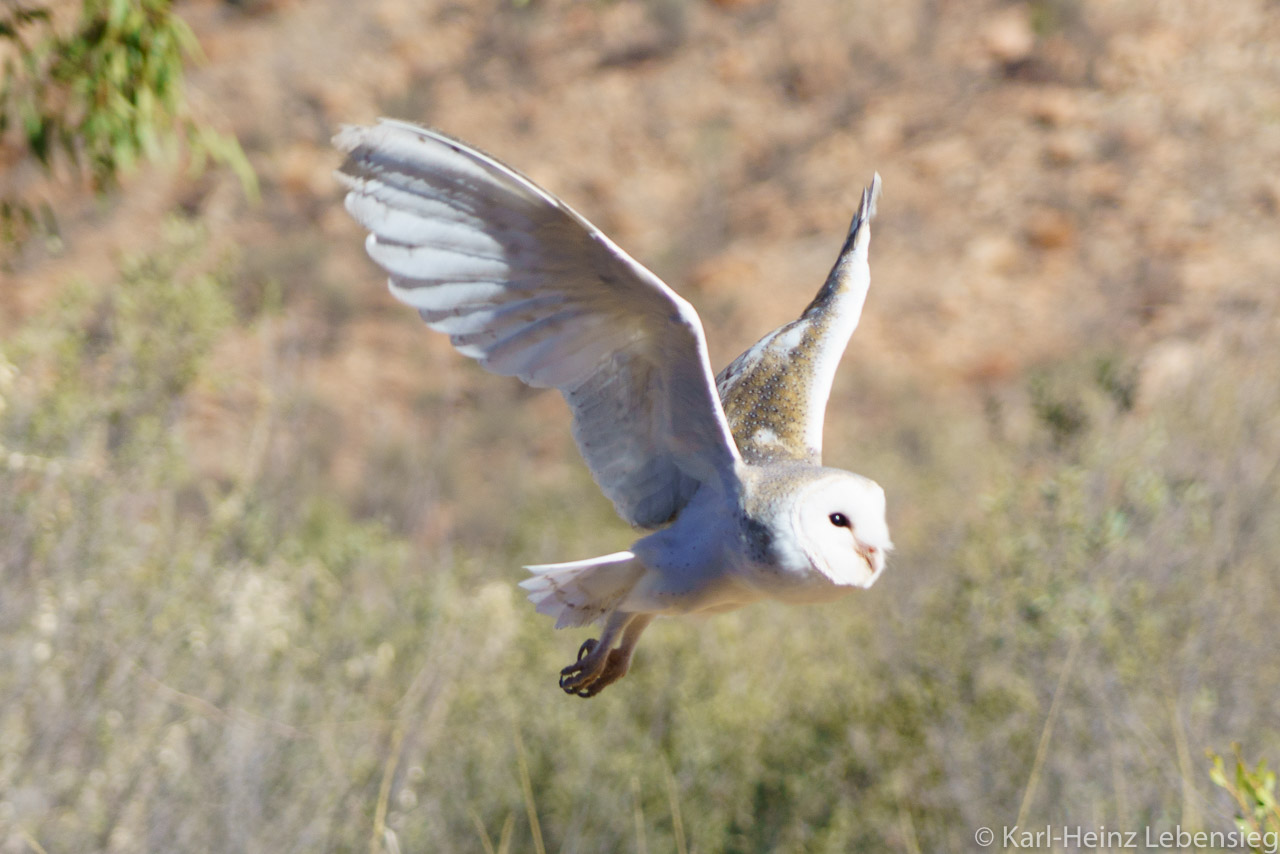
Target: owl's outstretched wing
(775,394)
(523,284)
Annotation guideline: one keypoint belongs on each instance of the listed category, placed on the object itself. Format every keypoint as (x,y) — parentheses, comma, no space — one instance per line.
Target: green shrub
(1254,792)
(101,96)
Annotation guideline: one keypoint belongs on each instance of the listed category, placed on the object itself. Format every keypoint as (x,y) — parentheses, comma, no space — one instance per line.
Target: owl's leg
(619,660)
(598,664)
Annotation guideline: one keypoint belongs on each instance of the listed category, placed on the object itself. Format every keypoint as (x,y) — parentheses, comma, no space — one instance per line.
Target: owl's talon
(587,678)
(599,663)
(581,677)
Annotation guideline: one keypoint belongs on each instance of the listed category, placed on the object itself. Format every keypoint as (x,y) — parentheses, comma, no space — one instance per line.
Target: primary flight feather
(728,471)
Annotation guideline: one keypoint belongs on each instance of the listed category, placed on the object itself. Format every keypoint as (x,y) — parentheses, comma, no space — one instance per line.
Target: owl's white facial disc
(842,527)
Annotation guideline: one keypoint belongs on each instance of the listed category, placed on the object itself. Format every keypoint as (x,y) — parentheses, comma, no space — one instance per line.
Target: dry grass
(245,666)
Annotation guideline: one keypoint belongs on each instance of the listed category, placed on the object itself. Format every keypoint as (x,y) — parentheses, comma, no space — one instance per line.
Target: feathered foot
(598,666)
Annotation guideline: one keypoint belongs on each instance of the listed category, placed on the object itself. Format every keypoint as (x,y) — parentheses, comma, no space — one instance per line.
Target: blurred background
(260,532)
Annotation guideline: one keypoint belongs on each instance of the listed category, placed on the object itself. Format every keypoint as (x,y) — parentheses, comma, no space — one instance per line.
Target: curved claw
(573,679)
(598,664)
(615,667)
(565,677)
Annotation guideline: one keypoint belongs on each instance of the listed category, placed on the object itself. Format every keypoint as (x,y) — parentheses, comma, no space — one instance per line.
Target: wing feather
(522,283)
(775,394)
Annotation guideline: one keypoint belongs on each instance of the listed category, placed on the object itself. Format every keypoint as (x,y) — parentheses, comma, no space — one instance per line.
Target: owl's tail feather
(581,592)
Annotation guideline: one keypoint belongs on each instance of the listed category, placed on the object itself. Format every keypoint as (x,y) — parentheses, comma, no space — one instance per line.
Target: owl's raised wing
(775,394)
(523,284)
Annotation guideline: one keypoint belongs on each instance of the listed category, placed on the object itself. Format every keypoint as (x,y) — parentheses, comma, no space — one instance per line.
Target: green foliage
(103,96)
(1063,413)
(1120,383)
(1254,791)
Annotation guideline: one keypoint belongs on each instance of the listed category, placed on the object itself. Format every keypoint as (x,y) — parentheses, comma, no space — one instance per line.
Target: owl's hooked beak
(868,553)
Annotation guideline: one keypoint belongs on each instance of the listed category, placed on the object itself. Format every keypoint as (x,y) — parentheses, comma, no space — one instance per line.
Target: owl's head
(841,521)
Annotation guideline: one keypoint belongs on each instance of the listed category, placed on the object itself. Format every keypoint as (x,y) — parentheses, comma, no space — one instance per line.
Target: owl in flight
(725,473)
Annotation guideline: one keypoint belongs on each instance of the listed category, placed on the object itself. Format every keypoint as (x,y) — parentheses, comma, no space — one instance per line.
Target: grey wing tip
(858,235)
(407,126)
(871,196)
(362,143)
(867,207)
(349,140)
(349,137)
(859,232)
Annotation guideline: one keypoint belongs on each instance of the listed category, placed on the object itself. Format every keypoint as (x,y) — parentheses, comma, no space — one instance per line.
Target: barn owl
(725,472)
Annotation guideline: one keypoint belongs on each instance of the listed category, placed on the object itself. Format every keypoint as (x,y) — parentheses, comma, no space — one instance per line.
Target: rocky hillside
(1058,175)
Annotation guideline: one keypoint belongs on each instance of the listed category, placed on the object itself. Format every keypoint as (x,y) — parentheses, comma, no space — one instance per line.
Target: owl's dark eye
(839,520)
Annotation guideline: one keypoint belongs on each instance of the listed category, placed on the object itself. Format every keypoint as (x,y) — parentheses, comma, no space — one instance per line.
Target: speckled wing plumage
(522,283)
(775,394)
